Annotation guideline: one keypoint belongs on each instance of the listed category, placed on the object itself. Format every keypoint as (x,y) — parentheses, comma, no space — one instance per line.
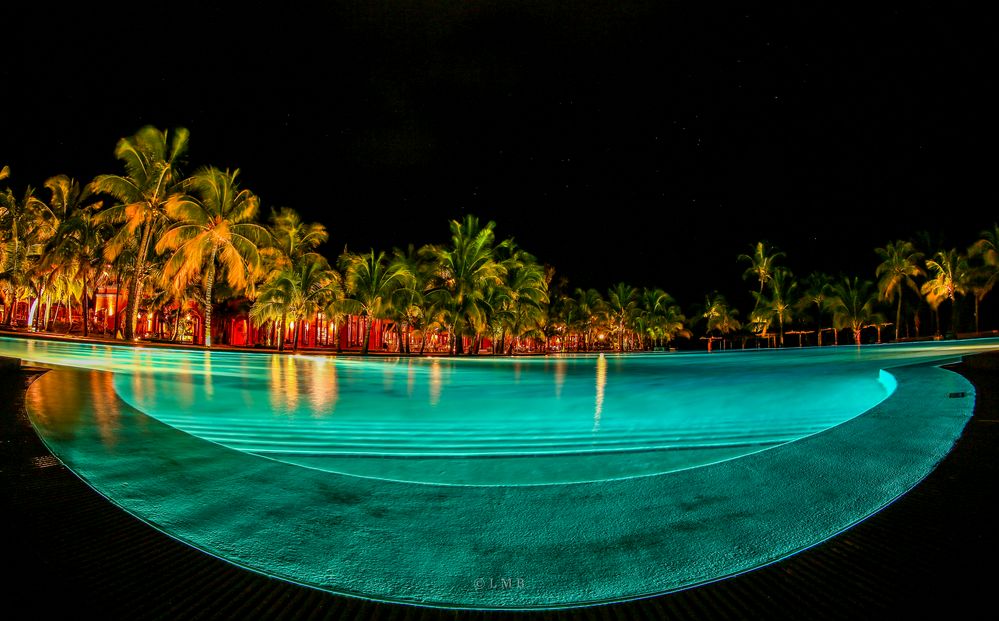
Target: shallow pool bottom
(520,547)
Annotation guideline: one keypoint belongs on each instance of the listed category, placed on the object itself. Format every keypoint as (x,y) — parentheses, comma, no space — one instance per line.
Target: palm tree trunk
(48,312)
(176,325)
(367,335)
(35,318)
(898,315)
(86,307)
(295,333)
(336,336)
(117,290)
(423,341)
(856,335)
(132,307)
(8,307)
(280,336)
(209,283)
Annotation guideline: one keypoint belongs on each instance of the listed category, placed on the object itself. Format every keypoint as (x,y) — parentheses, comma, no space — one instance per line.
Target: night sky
(649,142)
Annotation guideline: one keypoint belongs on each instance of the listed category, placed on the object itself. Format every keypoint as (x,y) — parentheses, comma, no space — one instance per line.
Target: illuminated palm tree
(336,310)
(762,263)
(464,270)
(80,237)
(151,178)
(815,294)
(371,282)
(522,296)
(899,266)
(292,237)
(301,291)
(408,307)
(64,288)
(286,261)
(851,303)
(622,305)
(986,274)
(779,304)
(720,317)
(213,235)
(668,320)
(26,225)
(951,274)
(275,300)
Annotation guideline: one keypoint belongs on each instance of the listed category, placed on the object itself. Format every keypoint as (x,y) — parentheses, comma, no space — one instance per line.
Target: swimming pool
(493,483)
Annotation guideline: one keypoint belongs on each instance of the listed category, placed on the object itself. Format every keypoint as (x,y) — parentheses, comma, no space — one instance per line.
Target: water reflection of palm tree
(601,386)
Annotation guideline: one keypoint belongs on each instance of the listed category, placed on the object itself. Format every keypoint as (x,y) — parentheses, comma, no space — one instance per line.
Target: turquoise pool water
(486,421)
(588,478)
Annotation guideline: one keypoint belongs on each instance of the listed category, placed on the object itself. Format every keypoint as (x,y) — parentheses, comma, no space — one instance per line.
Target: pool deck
(935,545)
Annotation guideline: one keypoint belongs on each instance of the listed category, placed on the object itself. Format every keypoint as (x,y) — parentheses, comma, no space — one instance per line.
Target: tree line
(170,241)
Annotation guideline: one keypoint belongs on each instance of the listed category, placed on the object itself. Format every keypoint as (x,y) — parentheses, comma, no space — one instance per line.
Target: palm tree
(286,260)
(851,303)
(80,237)
(522,297)
(950,277)
(762,263)
(622,305)
(409,306)
(63,289)
(986,274)
(292,237)
(666,320)
(213,234)
(275,300)
(336,309)
(816,290)
(26,225)
(151,179)
(592,307)
(302,290)
(464,270)
(899,266)
(315,285)
(371,281)
(720,317)
(778,305)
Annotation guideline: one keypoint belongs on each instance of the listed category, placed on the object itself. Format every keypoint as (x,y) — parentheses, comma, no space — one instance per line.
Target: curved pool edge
(675,510)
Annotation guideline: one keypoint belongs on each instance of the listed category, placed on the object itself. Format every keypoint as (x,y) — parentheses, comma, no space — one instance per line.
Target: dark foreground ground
(66,550)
